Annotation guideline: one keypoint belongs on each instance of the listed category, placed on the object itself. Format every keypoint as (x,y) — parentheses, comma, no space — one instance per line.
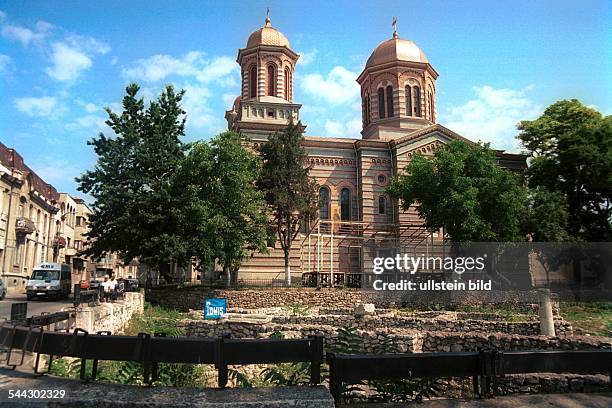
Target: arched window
(368,108)
(253,82)
(345,204)
(431,107)
(389,101)
(417,101)
(381,103)
(287,84)
(324,203)
(382,204)
(408,100)
(271,80)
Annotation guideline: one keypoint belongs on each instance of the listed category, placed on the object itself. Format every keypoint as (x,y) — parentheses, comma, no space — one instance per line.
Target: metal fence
(485,367)
(152,350)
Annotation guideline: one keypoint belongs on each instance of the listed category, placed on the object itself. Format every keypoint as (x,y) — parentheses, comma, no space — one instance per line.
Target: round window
(382,178)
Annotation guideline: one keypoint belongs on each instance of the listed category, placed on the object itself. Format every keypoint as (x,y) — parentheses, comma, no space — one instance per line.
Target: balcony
(24,226)
(59,242)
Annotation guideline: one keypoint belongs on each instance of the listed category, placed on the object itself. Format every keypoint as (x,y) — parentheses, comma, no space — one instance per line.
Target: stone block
(365,309)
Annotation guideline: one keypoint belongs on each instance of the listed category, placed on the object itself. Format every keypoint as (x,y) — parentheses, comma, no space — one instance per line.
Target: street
(35,307)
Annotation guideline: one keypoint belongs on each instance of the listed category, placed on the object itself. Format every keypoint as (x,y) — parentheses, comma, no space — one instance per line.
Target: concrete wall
(110,316)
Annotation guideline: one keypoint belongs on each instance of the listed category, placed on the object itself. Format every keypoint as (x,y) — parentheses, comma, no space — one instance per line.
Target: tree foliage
(463,189)
(289,191)
(225,215)
(134,211)
(571,157)
(164,201)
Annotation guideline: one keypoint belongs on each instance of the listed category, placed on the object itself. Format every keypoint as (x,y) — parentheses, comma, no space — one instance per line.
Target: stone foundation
(109,316)
(187,298)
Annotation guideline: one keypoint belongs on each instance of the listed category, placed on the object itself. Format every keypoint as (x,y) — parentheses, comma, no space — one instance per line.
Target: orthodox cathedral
(357,219)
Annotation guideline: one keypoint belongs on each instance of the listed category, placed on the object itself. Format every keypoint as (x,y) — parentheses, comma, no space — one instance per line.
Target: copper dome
(396,49)
(267,35)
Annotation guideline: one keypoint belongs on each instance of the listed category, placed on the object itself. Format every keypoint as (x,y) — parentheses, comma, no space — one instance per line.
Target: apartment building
(28,209)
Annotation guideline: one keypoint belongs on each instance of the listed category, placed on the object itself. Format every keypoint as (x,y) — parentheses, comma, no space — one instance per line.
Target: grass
(594,318)
(154,319)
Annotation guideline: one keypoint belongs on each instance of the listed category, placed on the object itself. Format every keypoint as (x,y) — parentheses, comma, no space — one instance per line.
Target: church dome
(396,49)
(267,35)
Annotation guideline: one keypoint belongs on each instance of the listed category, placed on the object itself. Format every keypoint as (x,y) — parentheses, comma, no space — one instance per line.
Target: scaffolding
(336,253)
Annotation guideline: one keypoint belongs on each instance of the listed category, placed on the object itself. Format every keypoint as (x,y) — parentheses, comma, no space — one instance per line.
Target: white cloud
(88,122)
(5,61)
(87,44)
(492,116)
(43,106)
(68,62)
(350,128)
(90,107)
(218,69)
(73,56)
(192,64)
(23,34)
(199,113)
(338,87)
(307,57)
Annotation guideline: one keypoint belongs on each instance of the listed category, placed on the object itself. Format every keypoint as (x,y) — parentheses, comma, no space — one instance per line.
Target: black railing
(150,351)
(485,367)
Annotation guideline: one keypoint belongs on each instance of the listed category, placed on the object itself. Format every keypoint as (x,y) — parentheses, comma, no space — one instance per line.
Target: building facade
(28,209)
(38,224)
(357,219)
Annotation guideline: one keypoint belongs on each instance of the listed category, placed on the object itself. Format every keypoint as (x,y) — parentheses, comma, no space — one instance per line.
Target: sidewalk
(518,401)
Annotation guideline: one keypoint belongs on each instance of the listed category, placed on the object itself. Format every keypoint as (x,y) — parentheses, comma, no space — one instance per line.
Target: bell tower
(398,90)
(266,103)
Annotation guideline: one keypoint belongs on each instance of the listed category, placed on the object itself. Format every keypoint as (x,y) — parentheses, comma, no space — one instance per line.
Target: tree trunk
(234,277)
(287,269)
(226,276)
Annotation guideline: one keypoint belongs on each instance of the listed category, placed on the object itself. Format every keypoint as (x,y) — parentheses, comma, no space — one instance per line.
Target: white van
(49,280)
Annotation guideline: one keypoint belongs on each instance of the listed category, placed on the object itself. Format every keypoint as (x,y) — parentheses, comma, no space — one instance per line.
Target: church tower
(398,90)
(266,103)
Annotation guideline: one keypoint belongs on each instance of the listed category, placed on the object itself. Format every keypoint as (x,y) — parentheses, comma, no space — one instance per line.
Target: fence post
(486,371)
(220,362)
(76,301)
(155,364)
(143,353)
(335,376)
(316,358)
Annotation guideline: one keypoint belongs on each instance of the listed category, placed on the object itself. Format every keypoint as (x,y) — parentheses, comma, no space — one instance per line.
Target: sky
(62,62)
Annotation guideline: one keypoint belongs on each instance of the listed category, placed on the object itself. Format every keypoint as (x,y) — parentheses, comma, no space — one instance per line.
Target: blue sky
(61,62)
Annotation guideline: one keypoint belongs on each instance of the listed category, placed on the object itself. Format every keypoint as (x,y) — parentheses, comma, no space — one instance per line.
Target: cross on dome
(394,24)
(267,24)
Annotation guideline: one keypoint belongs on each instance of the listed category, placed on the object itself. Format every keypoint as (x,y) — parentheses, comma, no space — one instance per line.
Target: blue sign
(215,308)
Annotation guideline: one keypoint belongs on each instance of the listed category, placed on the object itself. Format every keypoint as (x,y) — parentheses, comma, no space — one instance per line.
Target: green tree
(547,217)
(571,156)
(463,189)
(289,191)
(225,216)
(134,211)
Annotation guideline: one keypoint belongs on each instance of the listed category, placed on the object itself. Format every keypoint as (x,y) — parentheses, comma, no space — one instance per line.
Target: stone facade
(357,218)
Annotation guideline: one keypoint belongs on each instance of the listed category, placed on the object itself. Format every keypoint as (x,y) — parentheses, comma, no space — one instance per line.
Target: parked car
(2,289)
